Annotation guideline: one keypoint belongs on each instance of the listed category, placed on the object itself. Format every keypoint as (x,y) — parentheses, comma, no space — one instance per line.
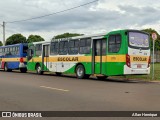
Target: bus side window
(85,46)
(73,47)
(3,51)
(63,47)
(18,50)
(114,43)
(13,50)
(9,51)
(104,46)
(54,48)
(38,49)
(6,51)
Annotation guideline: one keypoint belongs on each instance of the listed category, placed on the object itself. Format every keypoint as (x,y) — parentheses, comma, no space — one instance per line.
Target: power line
(53,13)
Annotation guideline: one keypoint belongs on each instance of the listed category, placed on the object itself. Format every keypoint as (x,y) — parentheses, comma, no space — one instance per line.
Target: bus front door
(45,58)
(99,50)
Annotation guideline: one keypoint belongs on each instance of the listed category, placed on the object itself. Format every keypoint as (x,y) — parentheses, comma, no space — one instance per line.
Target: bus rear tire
(39,70)
(23,70)
(80,72)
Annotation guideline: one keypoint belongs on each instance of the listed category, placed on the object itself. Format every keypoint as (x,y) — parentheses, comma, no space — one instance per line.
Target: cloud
(101,16)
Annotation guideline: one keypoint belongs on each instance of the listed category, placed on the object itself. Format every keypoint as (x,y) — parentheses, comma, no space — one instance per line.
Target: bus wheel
(80,72)
(23,70)
(39,70)
(101,77)
(6,68)
(58,73)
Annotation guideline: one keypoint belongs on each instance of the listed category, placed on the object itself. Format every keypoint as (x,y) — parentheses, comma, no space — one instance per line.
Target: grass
(147,77)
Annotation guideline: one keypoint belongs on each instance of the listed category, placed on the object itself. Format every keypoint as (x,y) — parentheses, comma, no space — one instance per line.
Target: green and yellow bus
(120,52)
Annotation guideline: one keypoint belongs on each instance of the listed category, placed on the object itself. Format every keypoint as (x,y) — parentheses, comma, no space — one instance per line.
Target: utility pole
(4,33)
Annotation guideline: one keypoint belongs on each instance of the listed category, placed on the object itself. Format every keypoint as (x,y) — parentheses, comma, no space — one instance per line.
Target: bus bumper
(128,71)
(22,65)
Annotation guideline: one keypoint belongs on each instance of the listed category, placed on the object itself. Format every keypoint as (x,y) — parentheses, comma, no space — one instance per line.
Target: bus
(121,52)
(13,57)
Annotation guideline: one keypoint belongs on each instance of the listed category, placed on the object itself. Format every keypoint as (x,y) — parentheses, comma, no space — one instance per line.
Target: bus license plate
(139,66)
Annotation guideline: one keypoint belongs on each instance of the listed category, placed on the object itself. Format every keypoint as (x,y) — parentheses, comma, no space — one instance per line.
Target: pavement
(32,92)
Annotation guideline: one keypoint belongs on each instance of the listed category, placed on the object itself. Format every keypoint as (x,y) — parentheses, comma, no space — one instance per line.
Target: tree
(34,38)
(15,39)
(1,44)
(66,35)
(157,42)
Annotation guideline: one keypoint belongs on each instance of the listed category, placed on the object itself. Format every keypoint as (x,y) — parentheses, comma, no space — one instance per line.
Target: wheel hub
(39,69)
(79,71)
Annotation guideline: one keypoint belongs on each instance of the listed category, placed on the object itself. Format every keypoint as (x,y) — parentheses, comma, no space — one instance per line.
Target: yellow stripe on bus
(108,58)
(116,58)
(13,59)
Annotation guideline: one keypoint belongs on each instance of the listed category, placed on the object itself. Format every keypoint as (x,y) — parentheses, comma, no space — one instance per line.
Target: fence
(156,56)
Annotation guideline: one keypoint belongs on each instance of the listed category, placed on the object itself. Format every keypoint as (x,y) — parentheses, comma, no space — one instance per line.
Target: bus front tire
(6,68)
(80,72)
(23,70)
(39,70)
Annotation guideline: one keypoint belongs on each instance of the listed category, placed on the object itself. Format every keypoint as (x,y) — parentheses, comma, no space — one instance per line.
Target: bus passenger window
(85,46)
(54,48)
(16,50)
(38,49)
(3,51)
(104,47)
(63,47)
(114,43)
(98,48)
(73,47)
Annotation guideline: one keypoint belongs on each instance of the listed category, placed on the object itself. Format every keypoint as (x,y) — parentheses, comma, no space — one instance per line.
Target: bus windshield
(138,40)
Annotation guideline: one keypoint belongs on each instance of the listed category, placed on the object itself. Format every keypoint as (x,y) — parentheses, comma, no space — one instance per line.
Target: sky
(98,17)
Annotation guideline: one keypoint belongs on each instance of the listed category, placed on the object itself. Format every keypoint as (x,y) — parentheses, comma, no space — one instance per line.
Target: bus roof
(86,36)
(96,35)
(13,45)
(41,42)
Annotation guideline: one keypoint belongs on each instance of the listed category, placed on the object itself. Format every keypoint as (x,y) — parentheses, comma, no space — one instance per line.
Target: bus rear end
(138,55)
(22,60)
